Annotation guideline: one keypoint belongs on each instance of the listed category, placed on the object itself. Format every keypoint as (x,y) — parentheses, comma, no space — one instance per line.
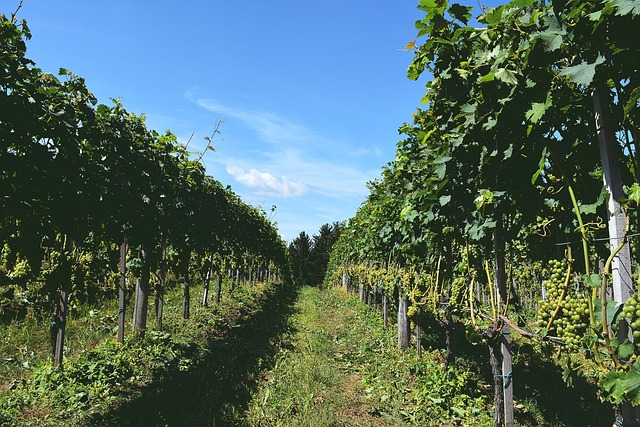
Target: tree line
(309,255)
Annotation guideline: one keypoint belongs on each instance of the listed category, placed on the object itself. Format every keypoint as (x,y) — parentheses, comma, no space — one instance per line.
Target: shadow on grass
(217,390)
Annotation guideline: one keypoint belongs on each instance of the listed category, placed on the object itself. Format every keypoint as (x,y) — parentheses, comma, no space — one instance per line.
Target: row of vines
(513,199)
(93,201)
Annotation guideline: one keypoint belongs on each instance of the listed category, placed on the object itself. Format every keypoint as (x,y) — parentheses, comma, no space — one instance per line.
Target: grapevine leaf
(592,207)
(632,103)
(442,159)
(633,193)
(408,213)
(613,384)
(494,16)
(541,165)
(536,112)
(593,281)
(611,310)
(582,73)
(625,7)
(595,16)
(632,384)
(538,109)
(625,350)
(507,76)
(491,122)
(461,13)
(487,78)
(552,37)
(508,152)
(621,385)
(475,232)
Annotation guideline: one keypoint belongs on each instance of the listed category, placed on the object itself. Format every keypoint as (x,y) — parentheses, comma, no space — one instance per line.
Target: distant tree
(300,257)
(310,255)
(322,244)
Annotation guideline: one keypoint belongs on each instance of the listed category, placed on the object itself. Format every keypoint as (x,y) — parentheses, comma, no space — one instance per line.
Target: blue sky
(311,93)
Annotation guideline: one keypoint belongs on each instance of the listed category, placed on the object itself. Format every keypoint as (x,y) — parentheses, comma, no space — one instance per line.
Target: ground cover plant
(198,370)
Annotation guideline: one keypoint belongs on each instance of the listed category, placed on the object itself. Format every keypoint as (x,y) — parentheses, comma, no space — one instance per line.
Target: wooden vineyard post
(142,298)
(500,283)
(59,323)
(59,318)
(403,323)
(385,309)
(506,375)
(498,395)
(376,293)
(186,300)
(160,287)
(621,265)
(207,281)
(418,334)
(122,289)
(219,288)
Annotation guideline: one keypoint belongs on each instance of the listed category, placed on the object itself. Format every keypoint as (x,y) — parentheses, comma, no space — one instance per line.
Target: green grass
(105,383)
(343,369)
(269,356)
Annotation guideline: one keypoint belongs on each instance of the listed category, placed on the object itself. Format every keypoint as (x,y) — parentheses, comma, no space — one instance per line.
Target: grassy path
(338,366)
(317,380)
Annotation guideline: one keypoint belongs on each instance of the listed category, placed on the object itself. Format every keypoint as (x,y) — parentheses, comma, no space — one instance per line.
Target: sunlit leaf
(593,281)
(625,7)
(583,73)
(507,76)
(633,193)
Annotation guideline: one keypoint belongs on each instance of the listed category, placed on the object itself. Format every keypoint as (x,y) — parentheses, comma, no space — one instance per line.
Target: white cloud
(265,183)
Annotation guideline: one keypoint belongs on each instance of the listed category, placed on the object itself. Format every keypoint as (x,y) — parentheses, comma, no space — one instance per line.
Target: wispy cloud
(265,183)
(269,126)
(284,159)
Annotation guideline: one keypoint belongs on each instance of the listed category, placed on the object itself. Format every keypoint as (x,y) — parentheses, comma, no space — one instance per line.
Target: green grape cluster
(468,254)
(412,311)
(631,311)
(570,323)
(458,288)
(21,271)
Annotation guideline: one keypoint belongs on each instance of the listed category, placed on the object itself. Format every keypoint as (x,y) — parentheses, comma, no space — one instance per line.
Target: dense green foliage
(503,165)
(80,177)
